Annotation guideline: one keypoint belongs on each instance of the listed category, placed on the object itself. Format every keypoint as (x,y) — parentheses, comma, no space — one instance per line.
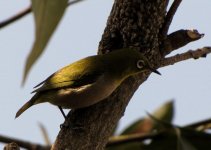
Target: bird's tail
(26,106)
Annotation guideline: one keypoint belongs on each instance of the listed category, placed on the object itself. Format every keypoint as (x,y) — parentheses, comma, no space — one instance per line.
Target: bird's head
(136,62)
(126,62)
(143,64)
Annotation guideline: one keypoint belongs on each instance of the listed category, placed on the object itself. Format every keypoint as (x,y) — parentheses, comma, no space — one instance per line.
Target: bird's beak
(155,71)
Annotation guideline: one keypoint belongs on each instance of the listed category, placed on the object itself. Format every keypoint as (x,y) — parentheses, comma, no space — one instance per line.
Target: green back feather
(77,74)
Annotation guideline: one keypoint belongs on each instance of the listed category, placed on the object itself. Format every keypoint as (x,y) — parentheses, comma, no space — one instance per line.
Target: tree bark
(132,23)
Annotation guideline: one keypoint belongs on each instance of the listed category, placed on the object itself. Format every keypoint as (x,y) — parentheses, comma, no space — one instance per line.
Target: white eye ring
(140,64)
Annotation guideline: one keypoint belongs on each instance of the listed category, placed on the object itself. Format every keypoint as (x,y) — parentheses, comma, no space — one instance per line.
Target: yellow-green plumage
(87,81)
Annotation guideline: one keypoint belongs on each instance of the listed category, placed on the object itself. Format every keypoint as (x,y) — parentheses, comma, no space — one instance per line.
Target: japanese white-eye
(89,80)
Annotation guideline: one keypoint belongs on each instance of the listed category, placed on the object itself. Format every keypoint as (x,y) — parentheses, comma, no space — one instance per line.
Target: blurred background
(78,36)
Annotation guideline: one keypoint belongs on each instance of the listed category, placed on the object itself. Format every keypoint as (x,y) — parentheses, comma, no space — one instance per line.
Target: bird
(88,80)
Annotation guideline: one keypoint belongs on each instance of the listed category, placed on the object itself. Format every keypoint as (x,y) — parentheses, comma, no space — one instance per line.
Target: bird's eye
(140,64)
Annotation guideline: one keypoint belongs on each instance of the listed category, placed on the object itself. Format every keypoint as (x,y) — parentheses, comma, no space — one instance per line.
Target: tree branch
(179,39)
(24,13)
(195,54)
(24,144)
(131,24)
(169,17)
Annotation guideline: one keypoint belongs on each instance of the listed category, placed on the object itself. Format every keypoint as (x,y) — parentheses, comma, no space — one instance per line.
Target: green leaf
(165,112)
(183,143)
(45,134)
(47,14)
(194,140)
(144,125)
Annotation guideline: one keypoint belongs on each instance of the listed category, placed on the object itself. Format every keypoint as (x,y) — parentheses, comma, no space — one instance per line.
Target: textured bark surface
(132,23)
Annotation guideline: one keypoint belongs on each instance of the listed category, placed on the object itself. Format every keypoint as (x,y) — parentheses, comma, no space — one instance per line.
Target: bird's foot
(64,125)
(78,127)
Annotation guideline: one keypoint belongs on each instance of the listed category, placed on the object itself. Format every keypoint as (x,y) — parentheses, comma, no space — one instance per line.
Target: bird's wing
(74,75)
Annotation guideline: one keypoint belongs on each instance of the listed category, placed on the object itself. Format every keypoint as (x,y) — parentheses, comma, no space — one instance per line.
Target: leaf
(45,134)
(47,15)
(165,112)
(182,142)
(194,139)
(145,125)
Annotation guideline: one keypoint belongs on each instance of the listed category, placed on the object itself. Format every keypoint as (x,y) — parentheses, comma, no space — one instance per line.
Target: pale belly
(84,96)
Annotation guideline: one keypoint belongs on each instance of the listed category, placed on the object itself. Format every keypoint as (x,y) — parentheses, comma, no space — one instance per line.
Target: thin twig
(15,17)
(24,144)
(169,17)
(116,140)
(203,123)
(202,52)
(24,13)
